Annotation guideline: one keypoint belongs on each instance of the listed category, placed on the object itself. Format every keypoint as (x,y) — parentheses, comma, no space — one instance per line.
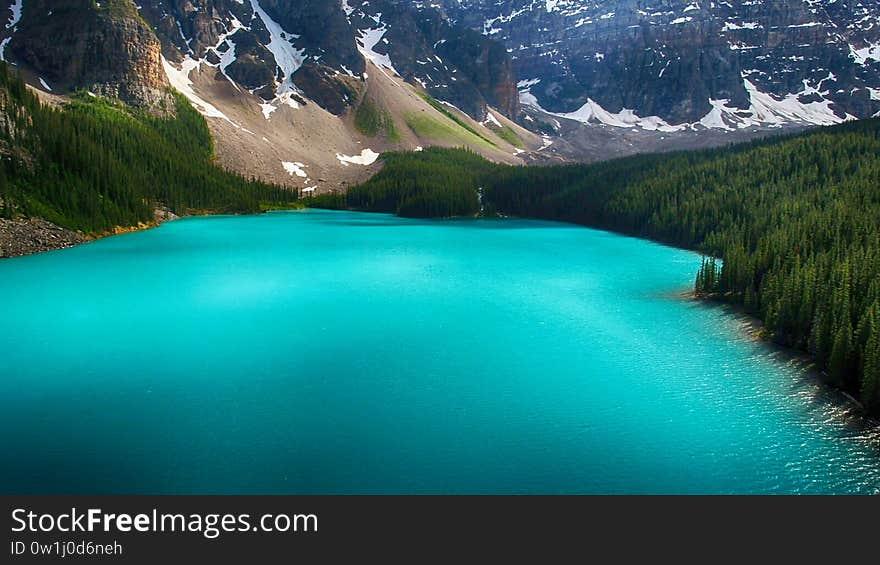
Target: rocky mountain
(297,91)
(672,65)
(279,50)
(283,50)
(301,92)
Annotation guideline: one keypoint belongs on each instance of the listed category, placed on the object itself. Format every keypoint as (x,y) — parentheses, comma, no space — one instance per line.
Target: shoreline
(21,237)
(32,236)
(753,328)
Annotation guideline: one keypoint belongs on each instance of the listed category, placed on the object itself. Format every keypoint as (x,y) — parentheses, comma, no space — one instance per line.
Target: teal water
(334,352)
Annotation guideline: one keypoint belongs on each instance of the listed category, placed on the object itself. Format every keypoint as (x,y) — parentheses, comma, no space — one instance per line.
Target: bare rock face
(454,64)
(103,47)
(328,89)
(806,61)
(322,44)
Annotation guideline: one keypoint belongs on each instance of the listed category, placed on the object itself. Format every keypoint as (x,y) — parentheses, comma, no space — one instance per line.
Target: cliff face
(454,64)
(451,63)
(104,47)
(729,64)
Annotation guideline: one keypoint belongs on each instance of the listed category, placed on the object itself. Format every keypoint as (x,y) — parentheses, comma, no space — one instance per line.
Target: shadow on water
(469,223)
(353,218)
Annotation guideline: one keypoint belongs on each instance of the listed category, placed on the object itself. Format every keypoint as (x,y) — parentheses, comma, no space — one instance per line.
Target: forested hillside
(96,164)
(429,184)
(794,221)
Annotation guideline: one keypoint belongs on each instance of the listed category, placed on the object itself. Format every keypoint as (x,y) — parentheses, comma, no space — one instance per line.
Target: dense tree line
(95,164)
(434,183)
(794,223)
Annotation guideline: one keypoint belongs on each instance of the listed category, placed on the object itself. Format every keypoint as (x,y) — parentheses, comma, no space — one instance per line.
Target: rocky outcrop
(454,64)
(104,47)
(323,29)
(332,91)
(487,66)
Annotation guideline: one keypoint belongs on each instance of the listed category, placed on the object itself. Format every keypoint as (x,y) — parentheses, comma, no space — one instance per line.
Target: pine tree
(870,386)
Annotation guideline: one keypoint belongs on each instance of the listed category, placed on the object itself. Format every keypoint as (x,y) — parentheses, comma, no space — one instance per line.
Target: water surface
(334,352)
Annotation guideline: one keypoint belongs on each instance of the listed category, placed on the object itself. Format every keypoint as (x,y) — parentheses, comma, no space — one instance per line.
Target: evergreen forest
(96,164)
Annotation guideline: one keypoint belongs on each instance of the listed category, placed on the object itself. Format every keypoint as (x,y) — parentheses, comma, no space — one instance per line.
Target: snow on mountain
(15,8)
(15,17)
(648,74)
(288,58)
(367,40)
(180,80)
(367,157)
(676,65)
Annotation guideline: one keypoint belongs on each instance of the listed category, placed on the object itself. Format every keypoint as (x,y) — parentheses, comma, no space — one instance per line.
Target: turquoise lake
(337,352)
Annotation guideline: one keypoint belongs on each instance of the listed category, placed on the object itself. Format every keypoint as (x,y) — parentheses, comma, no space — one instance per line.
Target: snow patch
(866,54)
(228,57)
(545,142)
(367,157)
(767,109)
(764,110)
(295,168)
(491,119)
(179,79)
(45,85)
(267,110)
(733,26)
(367,41)
(715,118)
(15,8)
(591,111)
(288,58)
(16,13)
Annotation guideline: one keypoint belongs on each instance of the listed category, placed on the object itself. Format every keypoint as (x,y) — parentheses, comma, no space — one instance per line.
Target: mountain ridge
(671,64)
(284,83)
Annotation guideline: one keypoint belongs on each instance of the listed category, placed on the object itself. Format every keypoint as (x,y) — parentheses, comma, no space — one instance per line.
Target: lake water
(336,352)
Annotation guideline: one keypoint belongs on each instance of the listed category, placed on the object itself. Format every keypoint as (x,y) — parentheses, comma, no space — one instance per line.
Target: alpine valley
(730,151)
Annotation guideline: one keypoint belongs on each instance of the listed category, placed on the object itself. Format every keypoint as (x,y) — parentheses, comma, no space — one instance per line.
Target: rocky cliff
(658,64)
(104,47)
(309,49)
